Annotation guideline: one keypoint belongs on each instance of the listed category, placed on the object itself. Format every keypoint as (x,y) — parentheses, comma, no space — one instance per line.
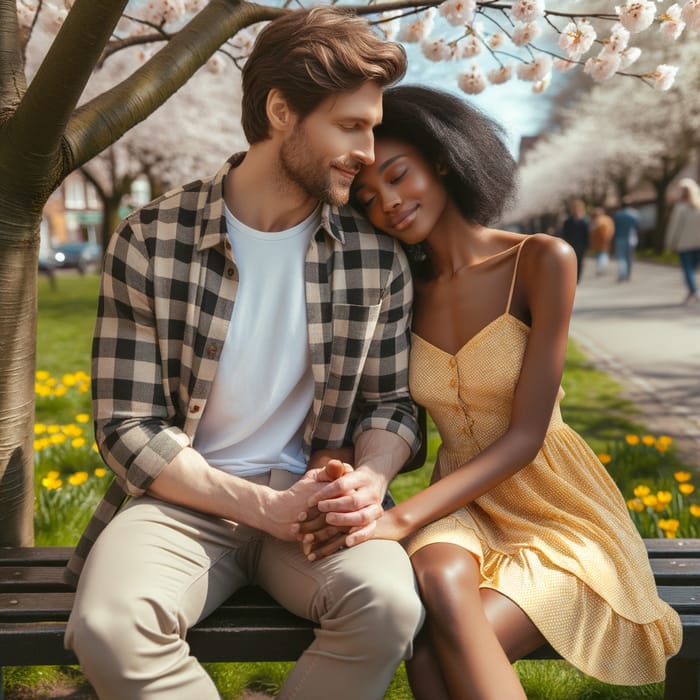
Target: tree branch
(103,120)
(40,120)
(12,81)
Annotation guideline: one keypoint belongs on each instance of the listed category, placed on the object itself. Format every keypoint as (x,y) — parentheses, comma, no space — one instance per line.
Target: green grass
(592,406)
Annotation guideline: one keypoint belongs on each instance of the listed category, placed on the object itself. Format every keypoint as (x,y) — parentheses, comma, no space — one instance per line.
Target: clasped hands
(343,512)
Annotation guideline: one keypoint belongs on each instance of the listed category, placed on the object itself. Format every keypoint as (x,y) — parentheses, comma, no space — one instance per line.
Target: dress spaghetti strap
(515,272)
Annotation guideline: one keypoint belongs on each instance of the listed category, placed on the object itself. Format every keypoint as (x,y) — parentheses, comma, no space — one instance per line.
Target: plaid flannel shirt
(167,295)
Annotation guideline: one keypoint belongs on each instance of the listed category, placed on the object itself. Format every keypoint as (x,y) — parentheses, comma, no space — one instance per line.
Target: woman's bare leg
(423,670)
(466,643)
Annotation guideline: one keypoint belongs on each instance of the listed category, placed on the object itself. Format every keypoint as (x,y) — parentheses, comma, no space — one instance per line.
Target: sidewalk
(639,333)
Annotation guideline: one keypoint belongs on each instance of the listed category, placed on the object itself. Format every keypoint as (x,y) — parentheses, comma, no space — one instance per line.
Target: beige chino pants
(157,569)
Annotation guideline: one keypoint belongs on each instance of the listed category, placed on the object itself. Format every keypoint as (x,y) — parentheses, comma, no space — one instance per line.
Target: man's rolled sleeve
(384,396)
(134,419)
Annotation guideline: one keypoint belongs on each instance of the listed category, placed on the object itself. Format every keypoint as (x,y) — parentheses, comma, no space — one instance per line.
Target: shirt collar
(214,222)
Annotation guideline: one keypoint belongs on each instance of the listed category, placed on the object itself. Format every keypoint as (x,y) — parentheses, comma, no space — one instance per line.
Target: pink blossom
(603,66)
(436,50)
(469,46)
(525,33)
(541,85)
(537,70)
(193,6)
(472,82)
(619,38)
(215,64)
(563,65)
(496,40)
(691,14)
(25,15)
(637,16)
(459,13)
(501,75)
(671,23)
(390,24)
(577,38)
(664,76)
(527,10)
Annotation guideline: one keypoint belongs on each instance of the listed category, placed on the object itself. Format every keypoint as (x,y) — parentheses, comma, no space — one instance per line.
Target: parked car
(82,256)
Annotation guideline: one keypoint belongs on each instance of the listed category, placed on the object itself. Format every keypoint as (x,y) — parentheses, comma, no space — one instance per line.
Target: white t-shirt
(263,389)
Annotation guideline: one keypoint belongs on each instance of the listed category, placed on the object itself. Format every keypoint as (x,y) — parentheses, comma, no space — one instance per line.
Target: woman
(683,235)
(522,535)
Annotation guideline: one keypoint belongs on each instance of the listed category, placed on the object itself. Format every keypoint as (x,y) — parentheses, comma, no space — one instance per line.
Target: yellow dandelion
(632,439)
(39,428)
(650,501)
(680,477)
(53,429)
(84,388)
(664,497)
(686,489)
(641,491)
(661,448)
(51,483)
(78,478)
(100,472)
(670,525)
(58,439)
(82,418)
(664,440)
(72,430)
(51,381)
(648,440)
(95,448)
(68,379)
(78,442)
(60,391)
(42,375)
(636,505)
(605,458)
(695,510)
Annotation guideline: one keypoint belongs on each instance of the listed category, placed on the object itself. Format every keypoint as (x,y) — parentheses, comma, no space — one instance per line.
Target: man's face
(324,151)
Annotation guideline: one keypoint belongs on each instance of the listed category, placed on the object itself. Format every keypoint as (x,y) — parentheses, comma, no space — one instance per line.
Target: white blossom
(193,6)
(541,85)
(525,33)
(603,66)
(671,23)
(215,64)
(619,38)
(577,38)
(691,14)
(536,70)
(664,76)
(459,13)
(637,16)
(472,81)
(527,10)
(414,32)
(390,24)
(629,56)
(501,75)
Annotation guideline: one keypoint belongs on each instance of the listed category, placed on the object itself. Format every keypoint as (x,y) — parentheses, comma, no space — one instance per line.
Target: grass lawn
(592,406)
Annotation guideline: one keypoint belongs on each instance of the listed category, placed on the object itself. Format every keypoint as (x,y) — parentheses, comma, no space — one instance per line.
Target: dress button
(453,362)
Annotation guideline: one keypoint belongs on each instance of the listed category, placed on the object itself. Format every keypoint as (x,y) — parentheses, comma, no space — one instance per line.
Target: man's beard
(311,176)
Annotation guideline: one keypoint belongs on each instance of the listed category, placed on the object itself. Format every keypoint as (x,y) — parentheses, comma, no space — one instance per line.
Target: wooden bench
(250,626)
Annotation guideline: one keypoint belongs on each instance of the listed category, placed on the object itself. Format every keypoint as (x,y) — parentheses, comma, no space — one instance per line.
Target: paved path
(640,333)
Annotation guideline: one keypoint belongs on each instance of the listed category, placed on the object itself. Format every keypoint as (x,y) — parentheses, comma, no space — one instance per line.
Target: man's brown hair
(310,54)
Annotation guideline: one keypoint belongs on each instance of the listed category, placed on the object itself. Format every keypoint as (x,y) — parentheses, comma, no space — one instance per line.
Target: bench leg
(682,680)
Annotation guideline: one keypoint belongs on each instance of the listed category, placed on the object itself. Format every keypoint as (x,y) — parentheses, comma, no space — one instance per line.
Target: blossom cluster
(502,32)
(456,30)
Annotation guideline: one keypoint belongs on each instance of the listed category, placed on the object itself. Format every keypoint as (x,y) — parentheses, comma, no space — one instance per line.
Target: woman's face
(400,193)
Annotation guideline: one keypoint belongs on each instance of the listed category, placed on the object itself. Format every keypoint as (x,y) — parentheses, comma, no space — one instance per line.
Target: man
(625,239)
(575,233)
(244,322)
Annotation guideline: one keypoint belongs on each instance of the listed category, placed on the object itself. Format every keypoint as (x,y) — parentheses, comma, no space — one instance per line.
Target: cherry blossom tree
(48,129)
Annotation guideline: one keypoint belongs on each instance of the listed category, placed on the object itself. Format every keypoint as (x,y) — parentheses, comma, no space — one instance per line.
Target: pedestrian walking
(601,231)
(625,239)
(683,234)
(575,233)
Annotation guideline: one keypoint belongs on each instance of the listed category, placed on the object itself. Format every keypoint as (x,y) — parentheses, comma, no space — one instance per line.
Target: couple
(251,393)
